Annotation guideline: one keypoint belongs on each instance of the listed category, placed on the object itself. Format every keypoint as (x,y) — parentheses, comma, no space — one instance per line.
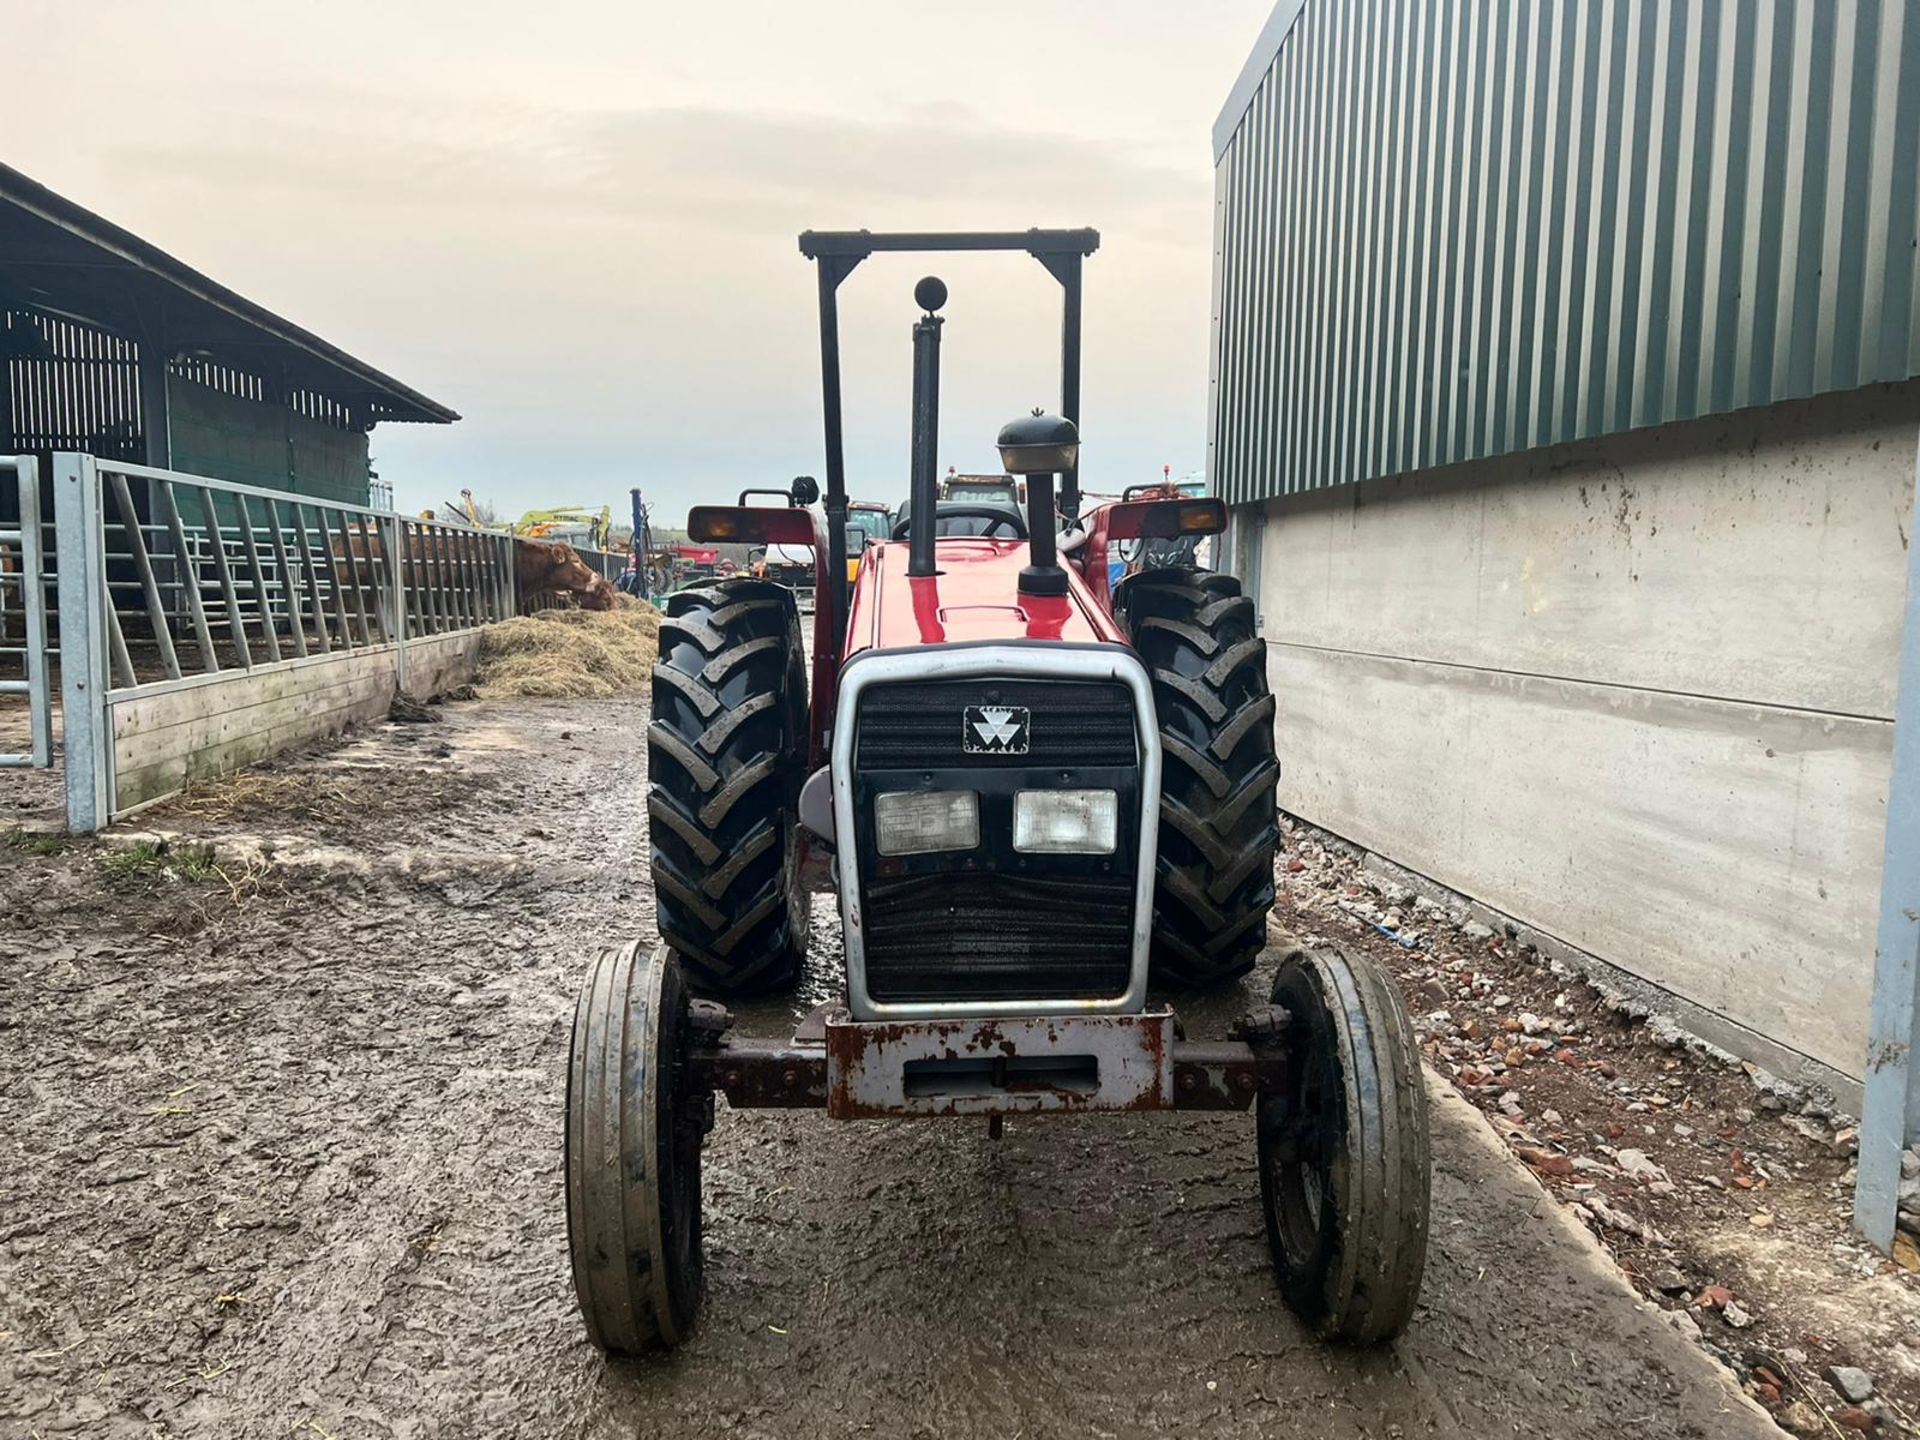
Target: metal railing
(21,575)
(207,575)
(606,563)
(168,581)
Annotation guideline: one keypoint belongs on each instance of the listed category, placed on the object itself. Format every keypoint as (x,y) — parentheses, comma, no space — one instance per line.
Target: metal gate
(23,612)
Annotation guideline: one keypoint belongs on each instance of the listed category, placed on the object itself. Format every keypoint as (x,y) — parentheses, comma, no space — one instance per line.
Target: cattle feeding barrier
(203,625)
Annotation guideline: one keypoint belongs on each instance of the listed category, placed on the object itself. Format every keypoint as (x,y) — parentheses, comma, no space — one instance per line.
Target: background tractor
(1048,800)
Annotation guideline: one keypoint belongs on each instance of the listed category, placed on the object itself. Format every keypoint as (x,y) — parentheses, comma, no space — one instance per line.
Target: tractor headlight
(921,822)
(1066,822)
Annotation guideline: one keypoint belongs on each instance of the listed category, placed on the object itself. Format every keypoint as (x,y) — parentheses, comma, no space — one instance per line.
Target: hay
(571,654)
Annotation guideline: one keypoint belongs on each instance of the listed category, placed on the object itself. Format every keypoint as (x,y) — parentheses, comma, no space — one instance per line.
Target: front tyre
(1219,827)
(633,1137)
(1344,1160)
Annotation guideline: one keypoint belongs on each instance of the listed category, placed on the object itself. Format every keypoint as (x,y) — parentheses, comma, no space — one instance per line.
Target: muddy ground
(280,1153)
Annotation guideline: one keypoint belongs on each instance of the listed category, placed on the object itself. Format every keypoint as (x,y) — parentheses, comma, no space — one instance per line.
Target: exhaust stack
(930,294)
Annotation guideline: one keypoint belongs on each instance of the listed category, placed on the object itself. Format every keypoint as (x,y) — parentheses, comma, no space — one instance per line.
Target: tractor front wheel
(726,755)
(1344,1167)
(1219,828)
(633,1137)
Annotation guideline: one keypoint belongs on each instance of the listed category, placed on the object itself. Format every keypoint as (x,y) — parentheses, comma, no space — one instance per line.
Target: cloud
(616,293)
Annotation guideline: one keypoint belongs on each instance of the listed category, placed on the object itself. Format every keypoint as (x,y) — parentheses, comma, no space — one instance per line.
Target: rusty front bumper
(1087,1064)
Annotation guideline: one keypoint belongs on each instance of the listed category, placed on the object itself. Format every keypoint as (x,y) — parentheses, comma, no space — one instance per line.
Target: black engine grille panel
(916,725)
(1003,937)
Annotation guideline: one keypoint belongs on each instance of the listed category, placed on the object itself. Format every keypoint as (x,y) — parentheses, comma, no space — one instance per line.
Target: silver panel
(966,662)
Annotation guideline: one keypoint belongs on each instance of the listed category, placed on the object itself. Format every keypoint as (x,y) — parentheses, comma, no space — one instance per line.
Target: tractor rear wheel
(633,1137)
(1344,1158)
(1219,828)
(726,755)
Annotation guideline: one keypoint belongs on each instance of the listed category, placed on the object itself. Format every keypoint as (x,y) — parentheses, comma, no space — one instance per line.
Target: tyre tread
(1219,826)
(726,746)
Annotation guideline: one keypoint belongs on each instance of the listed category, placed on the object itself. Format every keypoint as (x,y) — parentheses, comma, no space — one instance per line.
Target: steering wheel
(1016,528)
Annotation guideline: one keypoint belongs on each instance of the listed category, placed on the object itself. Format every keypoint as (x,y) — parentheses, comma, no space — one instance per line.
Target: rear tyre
(726,755)
(1219,828)
(633,1154)
(1344,1167)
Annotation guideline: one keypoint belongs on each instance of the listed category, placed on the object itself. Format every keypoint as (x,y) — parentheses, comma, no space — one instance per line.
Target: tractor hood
(975,597)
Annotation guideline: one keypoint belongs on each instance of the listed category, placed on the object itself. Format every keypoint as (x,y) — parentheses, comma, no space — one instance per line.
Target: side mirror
(805,490)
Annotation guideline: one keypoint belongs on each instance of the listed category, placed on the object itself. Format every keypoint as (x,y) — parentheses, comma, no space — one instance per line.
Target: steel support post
(80,551)
(1890,1117)
(393,538)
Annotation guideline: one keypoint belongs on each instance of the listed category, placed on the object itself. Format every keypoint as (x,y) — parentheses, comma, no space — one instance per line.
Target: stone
(1813,1130)
(1684,1323)
(1670,1282)
(1850,1383)
(1736,1315)
(1545,1162)
(1636,1164)
(1854,1418)
(1474,930)
(1910,1164)
(1906,1252)
(1797,1417)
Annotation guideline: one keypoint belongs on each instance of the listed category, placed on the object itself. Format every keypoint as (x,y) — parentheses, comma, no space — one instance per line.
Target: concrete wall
(1636,692)
(168,736)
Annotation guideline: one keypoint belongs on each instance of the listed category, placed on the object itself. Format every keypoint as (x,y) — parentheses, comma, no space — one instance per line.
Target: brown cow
(553,567)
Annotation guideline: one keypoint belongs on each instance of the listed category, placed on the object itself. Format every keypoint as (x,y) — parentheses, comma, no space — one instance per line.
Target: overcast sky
(574,222)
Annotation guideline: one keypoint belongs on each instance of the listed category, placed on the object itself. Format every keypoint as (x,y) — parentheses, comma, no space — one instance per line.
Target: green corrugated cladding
(252,443)
(1451,229)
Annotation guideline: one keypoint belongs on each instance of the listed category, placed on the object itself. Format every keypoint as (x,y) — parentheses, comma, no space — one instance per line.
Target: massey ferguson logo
(995,730)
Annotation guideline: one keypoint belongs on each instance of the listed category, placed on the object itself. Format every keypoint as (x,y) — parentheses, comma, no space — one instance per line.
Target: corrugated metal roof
(57,256)
(1449,229)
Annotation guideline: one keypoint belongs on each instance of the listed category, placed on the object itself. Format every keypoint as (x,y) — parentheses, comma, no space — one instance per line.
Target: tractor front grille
(969,935)
(918,725)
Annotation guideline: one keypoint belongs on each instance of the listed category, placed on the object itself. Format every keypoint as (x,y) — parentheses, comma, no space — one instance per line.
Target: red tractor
(1046,804)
